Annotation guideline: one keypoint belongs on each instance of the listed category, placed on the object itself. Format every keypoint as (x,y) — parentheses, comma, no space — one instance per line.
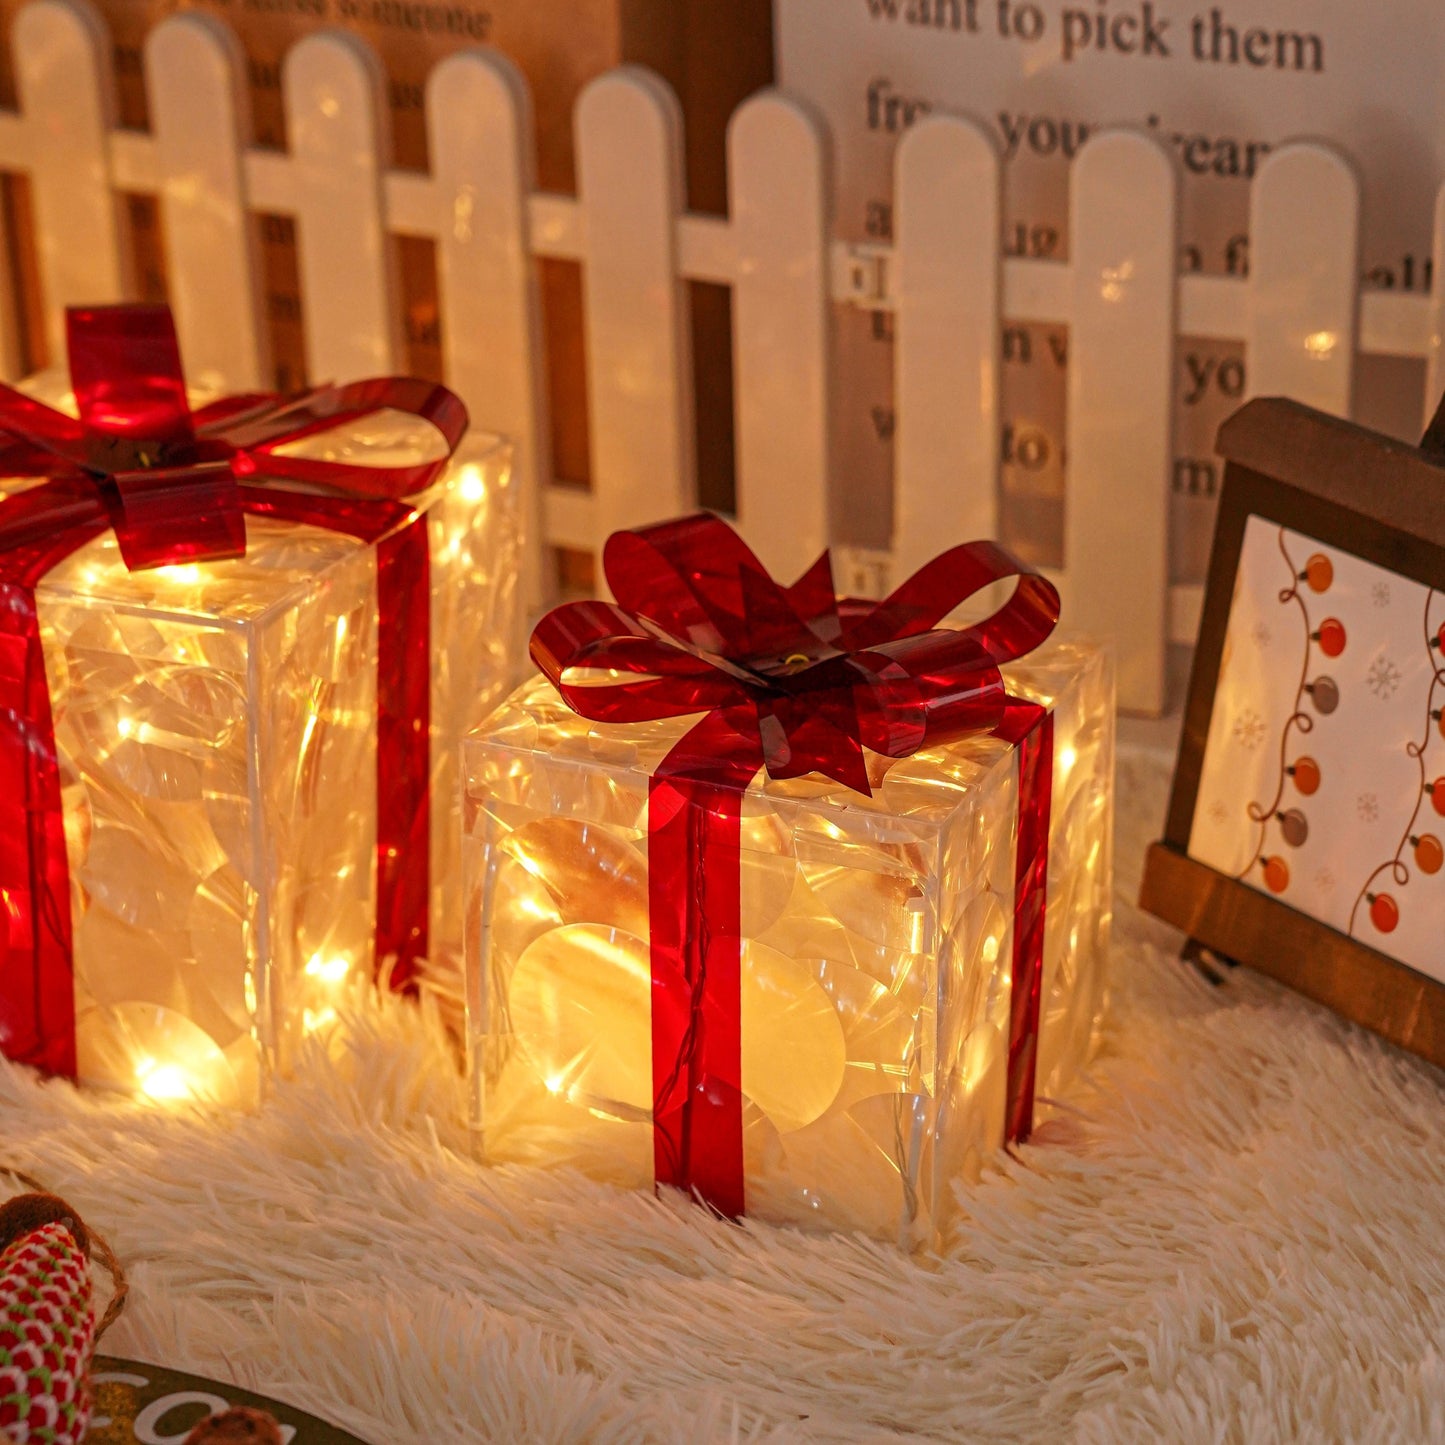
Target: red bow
(705,627)
(167,479)
(799,680)
(175,486)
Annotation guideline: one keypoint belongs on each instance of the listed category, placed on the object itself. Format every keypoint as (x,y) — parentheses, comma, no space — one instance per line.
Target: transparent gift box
(876,955)
(216,725)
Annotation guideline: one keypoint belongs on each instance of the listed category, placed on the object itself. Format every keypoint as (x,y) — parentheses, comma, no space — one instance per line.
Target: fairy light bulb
(183,574)
(1429,855)
(1325,694)
(1384,912)
(471,485)
(162,1081)
(1306,775)
(1331,636)
(1319,572)
(1276,874)
(331,968)
(169,1058)
(328,971)
(1436,792)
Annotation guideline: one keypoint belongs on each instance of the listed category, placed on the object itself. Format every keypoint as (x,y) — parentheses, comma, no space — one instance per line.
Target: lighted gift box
(230,782)
(747,951)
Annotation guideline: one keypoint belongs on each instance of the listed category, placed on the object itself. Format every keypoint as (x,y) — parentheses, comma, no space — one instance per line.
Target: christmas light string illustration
(1318,575)
(1429,855)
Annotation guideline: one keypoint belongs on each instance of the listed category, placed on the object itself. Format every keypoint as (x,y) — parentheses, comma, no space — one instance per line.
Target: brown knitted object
(28,1212)
(239,1426)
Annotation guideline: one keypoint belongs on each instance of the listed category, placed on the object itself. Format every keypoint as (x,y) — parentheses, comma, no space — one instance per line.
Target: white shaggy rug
(1237,1236)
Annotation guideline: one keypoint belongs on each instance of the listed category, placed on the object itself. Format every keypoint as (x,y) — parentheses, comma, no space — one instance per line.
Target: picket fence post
(195,78)
(481,139)
(1123,252)
(1304,277)
(66,90)
(948,283)
(779,200)
(339,140)
(638,325)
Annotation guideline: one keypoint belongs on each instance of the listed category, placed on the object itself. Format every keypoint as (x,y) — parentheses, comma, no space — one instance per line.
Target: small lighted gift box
(229,782)
(746,951)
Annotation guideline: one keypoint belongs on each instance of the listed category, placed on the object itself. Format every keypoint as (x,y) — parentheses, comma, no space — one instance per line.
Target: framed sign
(1306,829)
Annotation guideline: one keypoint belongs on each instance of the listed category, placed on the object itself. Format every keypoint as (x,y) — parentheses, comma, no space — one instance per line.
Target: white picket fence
(1300,313)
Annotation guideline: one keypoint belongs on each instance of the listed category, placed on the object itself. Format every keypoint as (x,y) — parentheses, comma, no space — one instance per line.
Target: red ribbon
(796,680)
(175,486)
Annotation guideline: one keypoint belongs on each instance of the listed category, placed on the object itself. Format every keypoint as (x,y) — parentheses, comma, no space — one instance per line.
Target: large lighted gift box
(798,902)
(238,650)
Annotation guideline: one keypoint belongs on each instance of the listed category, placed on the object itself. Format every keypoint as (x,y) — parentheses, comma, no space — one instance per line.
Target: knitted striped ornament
(47,1329)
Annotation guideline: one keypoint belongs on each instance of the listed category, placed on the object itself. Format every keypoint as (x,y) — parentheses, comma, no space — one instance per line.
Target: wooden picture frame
(1372,506)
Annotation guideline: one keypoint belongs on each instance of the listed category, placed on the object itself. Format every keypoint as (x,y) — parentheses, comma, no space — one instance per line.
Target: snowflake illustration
(1325,881)
(1262,635)
(1249,729)
(1383,678)
(1367,805)
(1380,594)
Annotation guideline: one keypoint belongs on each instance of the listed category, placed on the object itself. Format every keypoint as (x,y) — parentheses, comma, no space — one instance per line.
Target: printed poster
(1220,84)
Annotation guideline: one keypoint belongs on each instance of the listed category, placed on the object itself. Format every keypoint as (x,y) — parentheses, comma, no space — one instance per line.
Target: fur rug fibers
(1235,1234)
